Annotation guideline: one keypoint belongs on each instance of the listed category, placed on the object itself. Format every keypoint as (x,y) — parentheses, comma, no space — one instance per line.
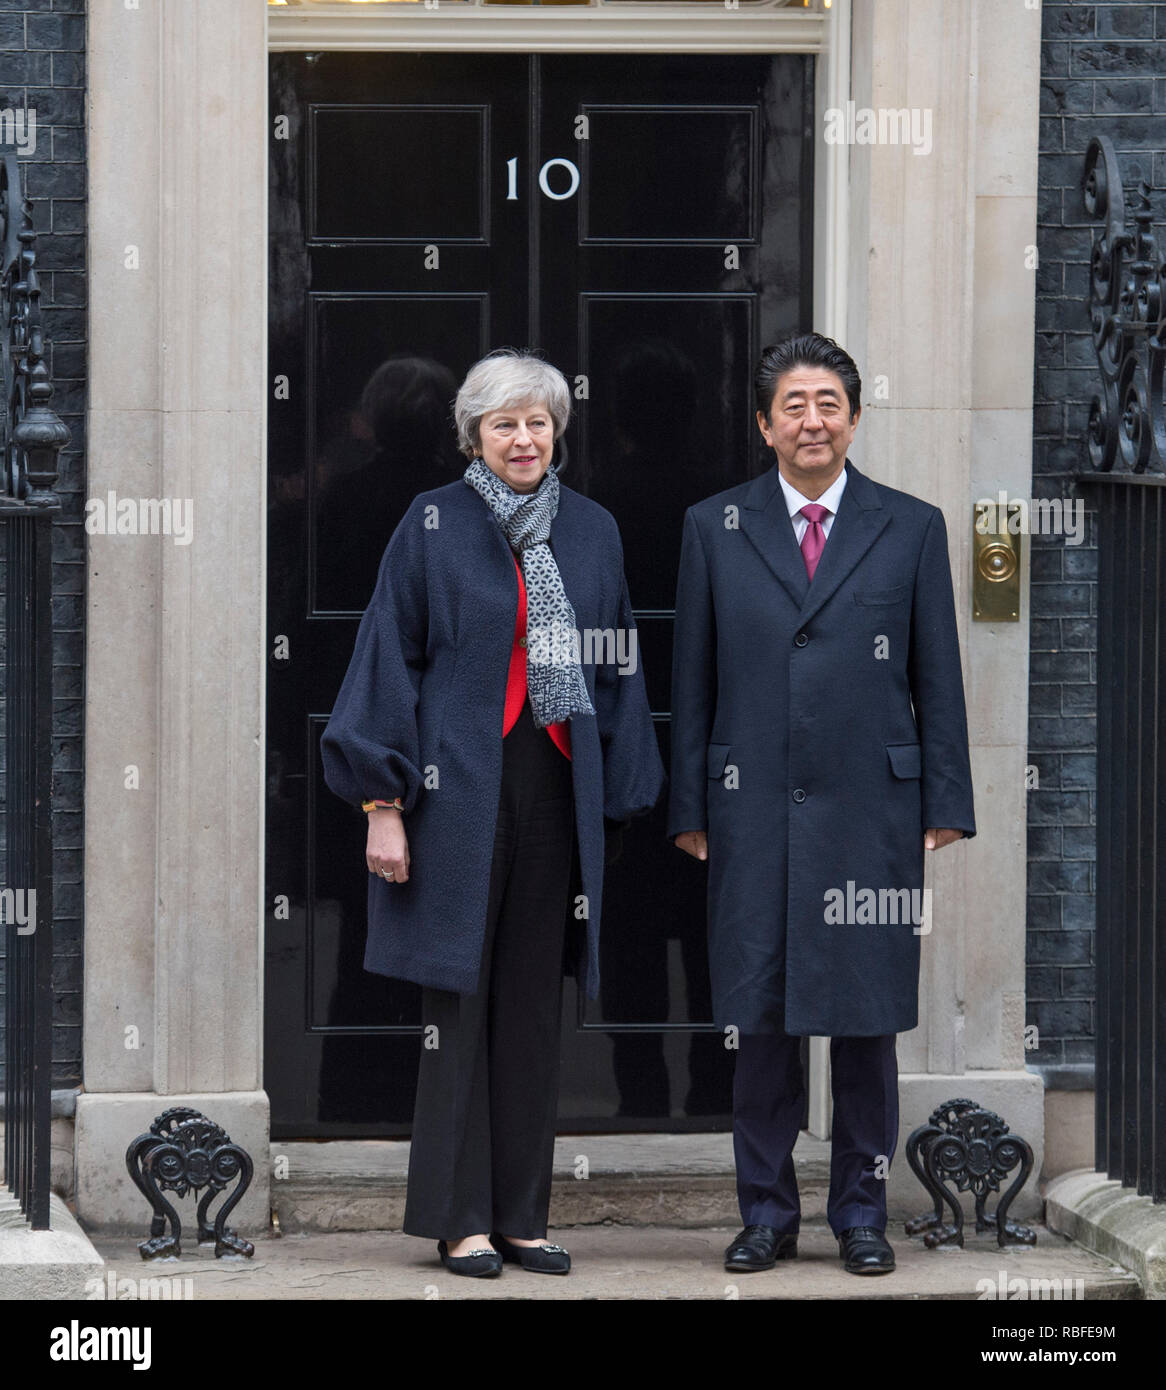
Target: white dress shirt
(795,502)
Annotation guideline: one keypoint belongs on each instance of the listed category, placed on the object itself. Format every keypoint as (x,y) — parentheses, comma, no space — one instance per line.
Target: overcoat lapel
(766,522)
(860,520)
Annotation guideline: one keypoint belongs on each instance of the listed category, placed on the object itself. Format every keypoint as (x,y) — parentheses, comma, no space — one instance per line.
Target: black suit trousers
(487,1088)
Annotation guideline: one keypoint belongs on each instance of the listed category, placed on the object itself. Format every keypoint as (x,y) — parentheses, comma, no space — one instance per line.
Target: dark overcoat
(420,712)
(817,730)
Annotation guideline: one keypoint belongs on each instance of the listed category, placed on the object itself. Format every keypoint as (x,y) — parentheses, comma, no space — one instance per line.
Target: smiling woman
(502,765)
(517,444)
(510,410)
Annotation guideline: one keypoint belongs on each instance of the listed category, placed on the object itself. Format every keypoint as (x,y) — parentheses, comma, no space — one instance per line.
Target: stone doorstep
(642,1263)
(678,1180)
(1103,1216)
(611,1262)
(675,1180)
(615,1259)
(56,1263)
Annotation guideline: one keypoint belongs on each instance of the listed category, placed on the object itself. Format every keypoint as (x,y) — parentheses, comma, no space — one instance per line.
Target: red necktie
(814,540)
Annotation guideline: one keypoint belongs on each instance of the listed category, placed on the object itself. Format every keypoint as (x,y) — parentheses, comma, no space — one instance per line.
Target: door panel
(399,197)
(397,356)
(695,174)
(644,221)
(668,419)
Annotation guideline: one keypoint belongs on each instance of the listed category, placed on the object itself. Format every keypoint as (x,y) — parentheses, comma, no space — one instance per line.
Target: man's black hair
(805,350)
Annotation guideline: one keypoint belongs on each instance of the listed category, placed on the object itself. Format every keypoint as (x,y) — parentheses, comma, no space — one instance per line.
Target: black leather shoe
(478,1264)
(760,1247)
(865,1250)
(539,1259)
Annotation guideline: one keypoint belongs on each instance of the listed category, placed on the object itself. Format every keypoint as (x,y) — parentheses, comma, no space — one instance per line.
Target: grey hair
(502,380)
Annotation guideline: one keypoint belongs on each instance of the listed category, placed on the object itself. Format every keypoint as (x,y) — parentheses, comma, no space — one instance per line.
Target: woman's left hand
(387,850)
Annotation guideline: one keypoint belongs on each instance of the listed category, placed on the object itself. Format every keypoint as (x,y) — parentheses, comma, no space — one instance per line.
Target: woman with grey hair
(489,749)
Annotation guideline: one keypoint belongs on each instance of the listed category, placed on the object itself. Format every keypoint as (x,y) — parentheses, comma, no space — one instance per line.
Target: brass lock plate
(996,531)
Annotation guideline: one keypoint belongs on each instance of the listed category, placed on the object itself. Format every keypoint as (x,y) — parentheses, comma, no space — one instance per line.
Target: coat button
(800,640)
(799,795)
(522,641)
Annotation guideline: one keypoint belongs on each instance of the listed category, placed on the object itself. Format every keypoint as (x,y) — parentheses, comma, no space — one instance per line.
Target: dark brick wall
(42,67)
(1098,66)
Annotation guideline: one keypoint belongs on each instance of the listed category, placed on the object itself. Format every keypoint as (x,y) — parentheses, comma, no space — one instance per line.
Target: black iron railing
(31,438)
(1127,483)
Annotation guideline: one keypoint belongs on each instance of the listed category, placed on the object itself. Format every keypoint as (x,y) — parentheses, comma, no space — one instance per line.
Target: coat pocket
(718,756)
(906,759)
(873,597)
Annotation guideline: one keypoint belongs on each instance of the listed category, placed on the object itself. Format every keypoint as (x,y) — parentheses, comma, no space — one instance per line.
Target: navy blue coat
(817,731)
(419,715)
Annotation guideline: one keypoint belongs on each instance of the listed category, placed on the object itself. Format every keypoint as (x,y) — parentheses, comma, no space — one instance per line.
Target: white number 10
(543,181)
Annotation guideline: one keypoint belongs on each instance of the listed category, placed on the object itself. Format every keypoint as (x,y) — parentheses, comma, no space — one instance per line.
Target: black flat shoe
(865,1250)
(478,1264)
(539,1259)
(760,1247)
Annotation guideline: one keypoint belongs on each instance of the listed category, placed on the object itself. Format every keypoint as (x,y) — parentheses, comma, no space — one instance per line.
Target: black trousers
(768,1093)
(487,1093)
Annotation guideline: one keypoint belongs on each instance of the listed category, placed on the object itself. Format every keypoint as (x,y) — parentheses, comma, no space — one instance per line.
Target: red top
(516,677)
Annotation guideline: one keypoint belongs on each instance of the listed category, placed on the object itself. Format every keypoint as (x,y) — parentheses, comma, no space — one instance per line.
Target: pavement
(613,1262)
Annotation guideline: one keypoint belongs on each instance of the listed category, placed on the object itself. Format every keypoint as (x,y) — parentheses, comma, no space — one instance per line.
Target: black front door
(644,221)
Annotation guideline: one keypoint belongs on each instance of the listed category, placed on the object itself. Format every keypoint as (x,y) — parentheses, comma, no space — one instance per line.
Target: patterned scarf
(554,677)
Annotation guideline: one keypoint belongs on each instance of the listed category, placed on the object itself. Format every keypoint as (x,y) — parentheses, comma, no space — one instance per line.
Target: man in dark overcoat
(819,743)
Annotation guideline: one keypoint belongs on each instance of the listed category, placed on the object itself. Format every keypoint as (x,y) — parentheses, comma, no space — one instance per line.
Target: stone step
(641,1179)
(58,1263)
(627,1262)
(676,1180)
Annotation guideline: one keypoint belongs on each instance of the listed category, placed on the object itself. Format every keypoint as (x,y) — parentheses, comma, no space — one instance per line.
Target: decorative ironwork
(31,438)
(1127,485)
(973,1148)
(1127,317)
(185,1152)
